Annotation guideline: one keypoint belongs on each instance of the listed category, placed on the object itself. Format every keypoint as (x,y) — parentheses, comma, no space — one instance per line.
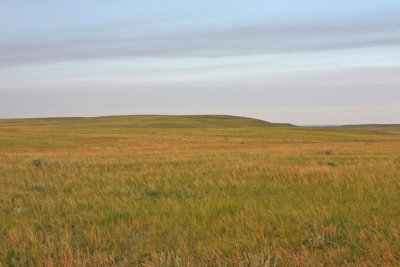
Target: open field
(203,191)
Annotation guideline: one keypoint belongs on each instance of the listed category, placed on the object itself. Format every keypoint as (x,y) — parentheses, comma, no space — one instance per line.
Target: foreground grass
(79,194)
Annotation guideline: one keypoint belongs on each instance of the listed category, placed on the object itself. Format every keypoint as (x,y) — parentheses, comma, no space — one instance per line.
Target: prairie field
(197,191)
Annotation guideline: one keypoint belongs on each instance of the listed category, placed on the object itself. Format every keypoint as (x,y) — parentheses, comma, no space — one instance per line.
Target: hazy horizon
(306,62)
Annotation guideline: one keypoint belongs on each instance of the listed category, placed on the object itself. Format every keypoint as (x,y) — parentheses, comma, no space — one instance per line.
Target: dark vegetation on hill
(385,127)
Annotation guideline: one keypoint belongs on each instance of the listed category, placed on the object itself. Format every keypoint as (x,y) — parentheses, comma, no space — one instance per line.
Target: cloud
(131,41)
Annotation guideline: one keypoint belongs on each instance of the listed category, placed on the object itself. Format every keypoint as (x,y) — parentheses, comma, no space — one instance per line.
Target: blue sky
(304,62)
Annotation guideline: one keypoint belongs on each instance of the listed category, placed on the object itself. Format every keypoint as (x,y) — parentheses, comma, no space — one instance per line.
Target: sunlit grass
(81,194)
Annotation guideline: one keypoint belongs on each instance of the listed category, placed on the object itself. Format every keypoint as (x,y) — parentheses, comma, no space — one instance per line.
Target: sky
(307,62)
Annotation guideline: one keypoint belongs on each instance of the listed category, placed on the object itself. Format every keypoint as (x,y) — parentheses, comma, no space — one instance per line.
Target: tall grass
(73,195)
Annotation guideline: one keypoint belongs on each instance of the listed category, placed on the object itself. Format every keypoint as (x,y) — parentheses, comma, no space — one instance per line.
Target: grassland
(197,191)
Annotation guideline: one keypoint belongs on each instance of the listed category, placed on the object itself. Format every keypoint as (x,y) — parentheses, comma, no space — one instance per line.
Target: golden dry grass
(78,194)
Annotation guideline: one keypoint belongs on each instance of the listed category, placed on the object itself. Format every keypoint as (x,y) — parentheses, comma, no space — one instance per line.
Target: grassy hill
(150,121)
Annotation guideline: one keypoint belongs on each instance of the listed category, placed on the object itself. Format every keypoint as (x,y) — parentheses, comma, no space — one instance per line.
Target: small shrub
(39,162)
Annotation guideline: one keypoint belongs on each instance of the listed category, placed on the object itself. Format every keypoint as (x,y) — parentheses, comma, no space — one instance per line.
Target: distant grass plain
(197,191)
